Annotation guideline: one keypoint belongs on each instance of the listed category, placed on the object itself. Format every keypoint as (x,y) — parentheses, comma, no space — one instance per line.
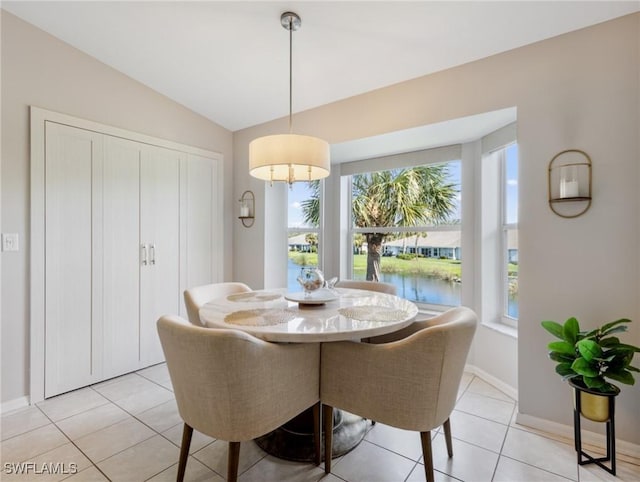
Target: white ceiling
(229,60)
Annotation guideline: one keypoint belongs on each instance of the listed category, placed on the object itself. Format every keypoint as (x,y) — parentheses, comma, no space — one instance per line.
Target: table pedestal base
(294,439)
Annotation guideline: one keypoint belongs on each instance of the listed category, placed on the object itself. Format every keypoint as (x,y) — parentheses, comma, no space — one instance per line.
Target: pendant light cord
(290,75)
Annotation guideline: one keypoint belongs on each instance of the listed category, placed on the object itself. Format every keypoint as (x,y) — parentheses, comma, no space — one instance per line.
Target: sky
(297,193)
(512,184)
(299,190)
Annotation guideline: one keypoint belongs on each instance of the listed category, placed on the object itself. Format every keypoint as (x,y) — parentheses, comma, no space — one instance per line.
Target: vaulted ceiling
(229,60)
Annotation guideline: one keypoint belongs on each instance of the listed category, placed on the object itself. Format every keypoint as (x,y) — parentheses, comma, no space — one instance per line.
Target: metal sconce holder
(569,183)
(247,208)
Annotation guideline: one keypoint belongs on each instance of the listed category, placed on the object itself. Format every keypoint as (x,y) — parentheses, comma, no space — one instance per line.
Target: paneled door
(72,356)
(120,240)
(159,245)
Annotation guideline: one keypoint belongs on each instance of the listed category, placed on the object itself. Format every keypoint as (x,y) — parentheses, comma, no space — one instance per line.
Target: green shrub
(406,256)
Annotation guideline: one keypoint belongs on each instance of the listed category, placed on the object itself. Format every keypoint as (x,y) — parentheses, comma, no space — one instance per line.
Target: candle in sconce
(568,189)
(569,182)
(244,211)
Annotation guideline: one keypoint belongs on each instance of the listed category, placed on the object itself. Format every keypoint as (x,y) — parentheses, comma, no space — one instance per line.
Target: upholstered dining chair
(367,285)
(379,286)
(195,298)
(411,383)
(235,387)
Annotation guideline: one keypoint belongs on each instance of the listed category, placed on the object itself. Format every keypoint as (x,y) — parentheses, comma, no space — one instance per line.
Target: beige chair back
(409,330)
(368,285)
(411,383)
(233,386)
(195,298)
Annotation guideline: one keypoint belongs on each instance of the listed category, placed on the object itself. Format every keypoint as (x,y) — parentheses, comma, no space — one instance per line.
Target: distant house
(436,244)
(439,244)
(299,243)
(512,246)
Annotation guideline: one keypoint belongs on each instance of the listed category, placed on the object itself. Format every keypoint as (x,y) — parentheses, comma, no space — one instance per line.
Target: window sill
(426,311)
(501,328)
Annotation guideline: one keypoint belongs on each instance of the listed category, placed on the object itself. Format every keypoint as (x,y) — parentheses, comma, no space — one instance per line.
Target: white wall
(579,90)
(38,69)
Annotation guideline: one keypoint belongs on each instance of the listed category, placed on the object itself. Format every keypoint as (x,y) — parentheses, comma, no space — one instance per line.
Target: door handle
(143,254)
(152,252)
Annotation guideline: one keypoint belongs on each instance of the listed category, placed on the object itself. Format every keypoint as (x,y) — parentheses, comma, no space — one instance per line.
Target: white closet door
(121,258)
(71,356)
(160,233)
(99,194)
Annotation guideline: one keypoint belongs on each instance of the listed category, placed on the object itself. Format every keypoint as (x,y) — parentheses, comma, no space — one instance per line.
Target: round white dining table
(327,315)
(278,315)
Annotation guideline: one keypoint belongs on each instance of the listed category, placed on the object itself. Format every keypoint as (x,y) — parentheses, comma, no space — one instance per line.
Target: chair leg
(233,461)
(447,437)
(317,432)
(327,415)
(187,432)
(425,438)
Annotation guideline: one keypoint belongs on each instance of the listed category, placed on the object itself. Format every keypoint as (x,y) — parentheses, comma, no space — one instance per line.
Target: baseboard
(14,404)
(491,380)
(566,431)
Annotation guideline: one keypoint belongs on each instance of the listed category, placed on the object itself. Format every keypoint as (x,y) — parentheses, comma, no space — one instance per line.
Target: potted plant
(589,360)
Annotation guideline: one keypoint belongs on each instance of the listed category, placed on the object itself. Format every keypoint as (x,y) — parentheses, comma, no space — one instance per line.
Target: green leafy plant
(589,358)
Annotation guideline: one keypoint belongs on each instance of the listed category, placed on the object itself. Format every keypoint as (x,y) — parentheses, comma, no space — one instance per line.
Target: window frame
(352,230)
(504,241)
(319,230)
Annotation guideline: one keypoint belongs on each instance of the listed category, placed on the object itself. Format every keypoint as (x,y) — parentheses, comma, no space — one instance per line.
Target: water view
(420,289)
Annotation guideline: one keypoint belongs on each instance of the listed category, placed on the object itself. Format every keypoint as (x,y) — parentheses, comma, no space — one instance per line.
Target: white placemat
(260,317)
(373,313)
(253,296)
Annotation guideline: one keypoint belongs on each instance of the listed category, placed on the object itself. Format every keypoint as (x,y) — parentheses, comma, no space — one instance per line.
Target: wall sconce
(569,182)
(247,208)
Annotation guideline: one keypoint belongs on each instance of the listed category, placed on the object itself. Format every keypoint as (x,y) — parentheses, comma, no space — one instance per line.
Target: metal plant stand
(611,438)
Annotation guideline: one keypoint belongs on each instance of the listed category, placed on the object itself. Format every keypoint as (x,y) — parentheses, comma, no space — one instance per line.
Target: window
(405,230)
(304,234)
(509,245)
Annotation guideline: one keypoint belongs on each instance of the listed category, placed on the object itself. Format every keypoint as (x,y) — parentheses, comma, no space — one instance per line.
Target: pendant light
(289,157)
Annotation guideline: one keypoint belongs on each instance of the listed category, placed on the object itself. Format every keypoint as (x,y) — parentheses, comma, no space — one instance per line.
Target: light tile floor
(128,429)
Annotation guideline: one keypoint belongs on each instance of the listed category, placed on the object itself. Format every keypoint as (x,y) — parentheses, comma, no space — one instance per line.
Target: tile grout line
(155,432)
(483,418)
(389,450)
(74,444)
(509,428)
(540,468)
(111,402)
(504,441)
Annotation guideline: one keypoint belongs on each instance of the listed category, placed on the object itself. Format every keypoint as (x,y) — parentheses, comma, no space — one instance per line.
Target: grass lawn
(438,268)
(446,269)
(441,268)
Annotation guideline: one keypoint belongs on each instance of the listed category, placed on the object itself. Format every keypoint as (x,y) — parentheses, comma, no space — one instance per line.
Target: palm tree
(358,241)
(311,206)
(312,239)
(395,198)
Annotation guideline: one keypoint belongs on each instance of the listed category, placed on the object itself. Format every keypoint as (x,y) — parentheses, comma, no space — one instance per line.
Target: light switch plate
(10,242)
